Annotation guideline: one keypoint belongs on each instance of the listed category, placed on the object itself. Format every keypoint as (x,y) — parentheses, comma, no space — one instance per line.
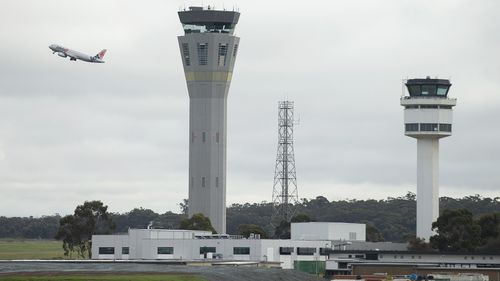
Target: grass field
(104,277)
(30,249)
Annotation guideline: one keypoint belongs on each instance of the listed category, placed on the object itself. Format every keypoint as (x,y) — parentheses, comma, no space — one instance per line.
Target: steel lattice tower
(285,179)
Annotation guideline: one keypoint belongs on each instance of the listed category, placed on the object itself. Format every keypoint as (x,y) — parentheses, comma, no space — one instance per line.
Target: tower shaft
(209,50)
(427,185)
(285,193)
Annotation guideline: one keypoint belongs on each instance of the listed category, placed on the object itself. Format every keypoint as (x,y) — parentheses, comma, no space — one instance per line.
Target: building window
(428,127)
(445,127)
(106,250)
(442,90)
(352,235)
(411,106)
(217,137)
(235,50)
(216,181)
(305,251)
(185,52)
(202,181)
(428,106)
(411,127)
(445,106)
(203,137)
(202,53)
(241,250)
(429,90)
(204,250)
(324,251)
(165,250)
(221,59)
(192,137)
(125,250)
(286,250)
(342,265)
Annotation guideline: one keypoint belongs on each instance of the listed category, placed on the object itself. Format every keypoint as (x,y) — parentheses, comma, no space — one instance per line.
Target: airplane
(74,55)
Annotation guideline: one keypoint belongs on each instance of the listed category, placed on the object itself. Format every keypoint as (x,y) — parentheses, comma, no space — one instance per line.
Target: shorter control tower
(428,117)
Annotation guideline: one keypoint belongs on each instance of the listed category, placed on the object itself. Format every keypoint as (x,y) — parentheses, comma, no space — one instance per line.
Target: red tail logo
(101,54)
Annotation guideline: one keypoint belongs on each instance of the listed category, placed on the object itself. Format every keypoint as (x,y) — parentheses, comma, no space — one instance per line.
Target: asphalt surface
(212,273)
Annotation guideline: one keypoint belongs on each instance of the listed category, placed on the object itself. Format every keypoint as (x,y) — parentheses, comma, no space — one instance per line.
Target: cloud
(71,131)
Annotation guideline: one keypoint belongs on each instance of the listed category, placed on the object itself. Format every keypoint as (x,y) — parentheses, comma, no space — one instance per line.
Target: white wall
(328,231)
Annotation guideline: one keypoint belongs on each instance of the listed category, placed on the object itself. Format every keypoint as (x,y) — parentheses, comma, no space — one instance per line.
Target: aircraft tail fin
(101,54)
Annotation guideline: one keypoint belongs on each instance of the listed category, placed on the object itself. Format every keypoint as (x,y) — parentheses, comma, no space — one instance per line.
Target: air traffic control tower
(428,117)
(208,49)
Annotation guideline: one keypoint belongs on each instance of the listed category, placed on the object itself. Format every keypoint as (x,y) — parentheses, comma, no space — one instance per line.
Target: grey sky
(118,132)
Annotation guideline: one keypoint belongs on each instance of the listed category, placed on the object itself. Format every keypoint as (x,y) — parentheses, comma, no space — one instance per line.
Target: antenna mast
(285,194)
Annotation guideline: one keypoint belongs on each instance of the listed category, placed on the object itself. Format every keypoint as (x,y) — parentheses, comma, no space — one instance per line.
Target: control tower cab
(428,110)
(428,117)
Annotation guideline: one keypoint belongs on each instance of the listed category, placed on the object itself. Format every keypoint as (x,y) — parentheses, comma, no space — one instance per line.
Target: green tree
(419,245)
(76,230)
(456,231)
(247,229)
(490,226)
(373,234)
(282,231)
(184,206)
(197,222)
(301,217)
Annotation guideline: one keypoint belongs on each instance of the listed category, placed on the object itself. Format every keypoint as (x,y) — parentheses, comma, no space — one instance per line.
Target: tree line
(391,219)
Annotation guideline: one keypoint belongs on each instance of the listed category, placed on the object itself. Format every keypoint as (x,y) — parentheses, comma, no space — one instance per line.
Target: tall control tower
(208,49)
(428,117)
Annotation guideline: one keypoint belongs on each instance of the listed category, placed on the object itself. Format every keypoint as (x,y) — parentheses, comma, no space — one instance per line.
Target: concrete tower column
(428,181)
(428,117)
(208,50)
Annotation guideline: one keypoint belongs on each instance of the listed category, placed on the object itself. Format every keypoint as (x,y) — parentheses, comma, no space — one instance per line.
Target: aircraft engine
(63,55)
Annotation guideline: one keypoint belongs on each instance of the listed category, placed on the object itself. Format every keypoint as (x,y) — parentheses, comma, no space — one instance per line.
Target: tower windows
(445,127)
(235,50)
(222,54)
(202,181)
(203,137)
(428,127)
(217,137)
(411,127)
(202,53)
(216,181)
(185,52)
(428,90)
(192,137)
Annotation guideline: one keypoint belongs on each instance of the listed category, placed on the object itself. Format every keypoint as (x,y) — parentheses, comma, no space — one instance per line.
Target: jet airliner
(75,55)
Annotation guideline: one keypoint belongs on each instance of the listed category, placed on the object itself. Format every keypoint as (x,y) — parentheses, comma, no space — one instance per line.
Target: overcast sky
(118,132)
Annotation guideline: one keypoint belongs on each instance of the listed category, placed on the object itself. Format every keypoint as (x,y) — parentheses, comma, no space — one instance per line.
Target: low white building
(310,242)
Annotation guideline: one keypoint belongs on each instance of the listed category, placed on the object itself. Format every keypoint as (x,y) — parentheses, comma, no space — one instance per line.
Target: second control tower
(428,117)
(208,49)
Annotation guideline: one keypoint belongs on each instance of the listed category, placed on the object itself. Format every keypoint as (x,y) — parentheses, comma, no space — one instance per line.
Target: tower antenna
(285,194)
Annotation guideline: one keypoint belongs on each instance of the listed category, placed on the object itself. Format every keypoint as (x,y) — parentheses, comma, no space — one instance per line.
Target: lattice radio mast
(285,194)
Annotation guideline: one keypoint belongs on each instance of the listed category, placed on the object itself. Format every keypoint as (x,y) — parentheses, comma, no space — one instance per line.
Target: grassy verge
(103,277)
(30,249)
